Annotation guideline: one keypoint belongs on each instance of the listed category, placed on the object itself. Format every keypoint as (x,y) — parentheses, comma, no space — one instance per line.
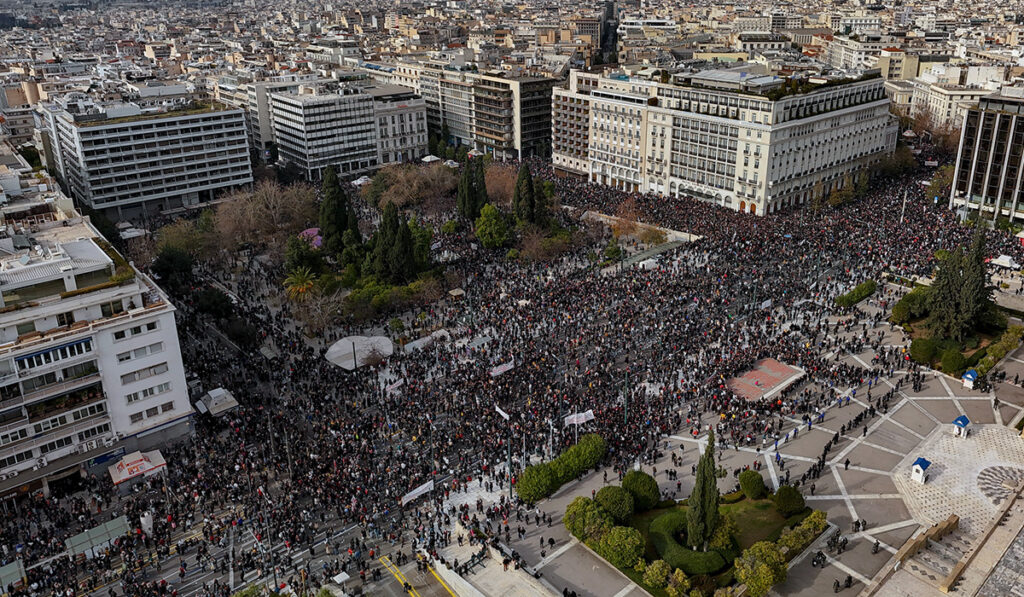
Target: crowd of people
(320,456)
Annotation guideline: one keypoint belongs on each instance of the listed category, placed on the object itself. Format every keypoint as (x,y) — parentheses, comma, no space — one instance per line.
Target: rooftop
(188,110)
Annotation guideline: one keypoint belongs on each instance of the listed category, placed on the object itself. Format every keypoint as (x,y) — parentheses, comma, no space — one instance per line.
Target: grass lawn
(756,520)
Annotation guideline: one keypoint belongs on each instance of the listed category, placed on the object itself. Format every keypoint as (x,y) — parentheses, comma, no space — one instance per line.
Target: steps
(934,563)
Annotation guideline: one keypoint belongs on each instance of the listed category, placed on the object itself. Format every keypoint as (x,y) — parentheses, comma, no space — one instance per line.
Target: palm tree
(299,284)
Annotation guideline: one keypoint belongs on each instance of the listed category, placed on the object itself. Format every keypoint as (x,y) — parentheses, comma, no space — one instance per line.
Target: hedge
(643,488)
(541,480)
(922,350)
(731,498)
(859,293)
(621,546)
(953,361)
(663,531)
(587,521)
(1006,344)
(913,305)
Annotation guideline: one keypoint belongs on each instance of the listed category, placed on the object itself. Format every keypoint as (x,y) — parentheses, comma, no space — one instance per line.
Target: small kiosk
(918,471)
(969,377)
(960,426)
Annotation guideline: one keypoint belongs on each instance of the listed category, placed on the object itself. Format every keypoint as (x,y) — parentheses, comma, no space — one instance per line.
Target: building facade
(989,175)
(125,161)
(90,366)
(726,137)
(356,129)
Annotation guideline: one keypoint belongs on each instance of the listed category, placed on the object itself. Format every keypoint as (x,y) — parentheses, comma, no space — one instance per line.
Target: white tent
(135,464)
(217,402)
(430,159)
(356,351)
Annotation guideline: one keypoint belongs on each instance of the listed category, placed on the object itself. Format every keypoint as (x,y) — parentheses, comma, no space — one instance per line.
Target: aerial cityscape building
(461,297)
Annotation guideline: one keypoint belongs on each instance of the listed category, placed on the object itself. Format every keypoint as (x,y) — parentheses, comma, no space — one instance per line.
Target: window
(136,418)
(65,319)
(112,308)
(26,328)
(16,458)
(54,355)
(167,407)
(13,436)
(152,412)
(94,431)
(135,331)
(56,444)
(143,373)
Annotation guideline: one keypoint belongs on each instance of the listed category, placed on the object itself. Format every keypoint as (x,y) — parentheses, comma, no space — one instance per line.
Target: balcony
(62,386)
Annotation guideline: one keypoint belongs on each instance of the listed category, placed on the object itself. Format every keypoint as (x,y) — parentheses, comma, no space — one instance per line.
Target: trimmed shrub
(575,461)
(859,293)
(952,361)
(752,484)
(722,540)
(789,501)
(922,350)
(900,313)
(536,483)
(657,573)
(586,521)
(616,501)
(621,546)
(731,498)
(643,488)
(663,531)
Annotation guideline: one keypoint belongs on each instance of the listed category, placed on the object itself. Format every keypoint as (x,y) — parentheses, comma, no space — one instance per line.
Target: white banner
(502,368)
(501,412)
(415,493)
(395,386)
(579,418)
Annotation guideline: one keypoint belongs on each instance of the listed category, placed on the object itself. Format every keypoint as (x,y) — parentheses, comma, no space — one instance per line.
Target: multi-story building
(90,366)
(947,103)
(509,117)
(745,141)
(354,128)
(126,161)
(856,53)
(989,175)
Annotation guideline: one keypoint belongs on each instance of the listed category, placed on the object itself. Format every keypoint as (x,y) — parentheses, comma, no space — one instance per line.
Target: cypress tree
(975,294)
(480,188)
(333,216)
(463,194)
(384,241)
(702,515)
(946,319)
(401,257)
(522,195)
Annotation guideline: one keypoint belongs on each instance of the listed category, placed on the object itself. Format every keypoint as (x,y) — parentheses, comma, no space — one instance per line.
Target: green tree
(421,239)
(333,217)
(401,258)
(536,483)
(941,182)
(616,501)
(480,186)
(462,194)
(586,521)
(702,515)
(946,319)
(752,484)
(299,284)
(643,488)
(789,501)
(621,546)
(384,240)
(299,253)
(760,567)
(174,267)
(657,574)
(953,361)
(523,201)
(678,584)
(490,227)
(975,293)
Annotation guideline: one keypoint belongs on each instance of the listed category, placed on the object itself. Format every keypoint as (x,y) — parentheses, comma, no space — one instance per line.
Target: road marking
(556,553)
(231,558)
(443,584)
(398,575)
(625,590)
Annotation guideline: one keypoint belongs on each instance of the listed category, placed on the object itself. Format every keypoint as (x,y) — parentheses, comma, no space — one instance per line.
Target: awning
(98,537)
(136,464)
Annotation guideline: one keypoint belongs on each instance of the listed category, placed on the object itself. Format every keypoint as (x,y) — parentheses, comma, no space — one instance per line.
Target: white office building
(356,129)
(741,140)
(125,160)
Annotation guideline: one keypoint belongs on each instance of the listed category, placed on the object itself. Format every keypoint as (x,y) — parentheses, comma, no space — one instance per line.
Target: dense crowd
(315,449)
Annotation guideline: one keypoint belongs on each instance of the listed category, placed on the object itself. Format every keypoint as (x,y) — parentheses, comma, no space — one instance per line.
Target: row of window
(55,355)
(152,412)
(145,373)
(135,331)
(78,415)
(138,353)
(148,392)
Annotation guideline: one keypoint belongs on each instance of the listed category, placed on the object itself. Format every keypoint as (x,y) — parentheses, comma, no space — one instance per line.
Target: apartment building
(989,175)
(856,53)
(127,162)
(946,102)
(90,366)
(741,140)
(356,129)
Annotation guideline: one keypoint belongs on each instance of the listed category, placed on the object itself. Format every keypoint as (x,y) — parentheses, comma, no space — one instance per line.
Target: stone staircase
(937,559)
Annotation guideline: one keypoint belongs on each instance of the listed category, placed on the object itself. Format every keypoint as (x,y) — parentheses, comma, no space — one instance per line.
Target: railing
(56,388)
(53,434)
